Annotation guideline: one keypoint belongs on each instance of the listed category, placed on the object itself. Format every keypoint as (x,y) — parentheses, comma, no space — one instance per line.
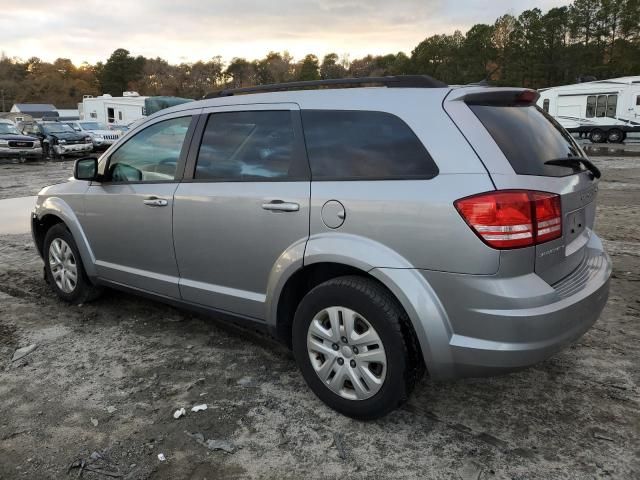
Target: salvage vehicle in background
(15,145)
(59,139)
(380,231)
(101,134)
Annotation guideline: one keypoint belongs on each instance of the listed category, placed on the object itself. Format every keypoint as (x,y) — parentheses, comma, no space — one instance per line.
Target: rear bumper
(503,324)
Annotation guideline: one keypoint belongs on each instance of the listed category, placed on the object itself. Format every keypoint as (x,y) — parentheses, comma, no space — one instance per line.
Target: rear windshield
(529,137)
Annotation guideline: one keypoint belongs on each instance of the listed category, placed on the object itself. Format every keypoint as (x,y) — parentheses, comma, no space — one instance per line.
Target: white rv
(114,111)
(603,110)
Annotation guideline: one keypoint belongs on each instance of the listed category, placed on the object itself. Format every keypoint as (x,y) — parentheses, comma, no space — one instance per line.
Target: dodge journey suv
(383,230)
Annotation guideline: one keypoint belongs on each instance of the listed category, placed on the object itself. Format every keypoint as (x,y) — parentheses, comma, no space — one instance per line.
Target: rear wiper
(567,161)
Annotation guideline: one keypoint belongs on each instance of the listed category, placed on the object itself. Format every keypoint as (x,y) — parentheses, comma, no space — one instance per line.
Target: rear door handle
(155,202)
(280,206)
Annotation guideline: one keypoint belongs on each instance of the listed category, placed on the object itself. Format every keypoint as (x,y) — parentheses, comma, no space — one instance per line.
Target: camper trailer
(114,111)
(602,110)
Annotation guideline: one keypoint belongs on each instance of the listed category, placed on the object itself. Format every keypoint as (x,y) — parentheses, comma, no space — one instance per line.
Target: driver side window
(151,155)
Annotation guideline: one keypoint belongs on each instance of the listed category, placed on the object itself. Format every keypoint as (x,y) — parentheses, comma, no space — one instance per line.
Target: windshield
(93,126)
(8,128)
(529,137)
(57,128)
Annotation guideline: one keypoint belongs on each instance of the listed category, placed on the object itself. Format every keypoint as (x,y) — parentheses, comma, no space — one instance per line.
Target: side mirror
(86,169)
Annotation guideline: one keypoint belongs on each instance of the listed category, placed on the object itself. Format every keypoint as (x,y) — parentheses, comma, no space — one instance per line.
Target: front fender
(60,208)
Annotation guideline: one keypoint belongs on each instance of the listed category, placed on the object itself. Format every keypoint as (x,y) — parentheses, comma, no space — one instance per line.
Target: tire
(615,136)
(383,385)
(60,261)
(597,136)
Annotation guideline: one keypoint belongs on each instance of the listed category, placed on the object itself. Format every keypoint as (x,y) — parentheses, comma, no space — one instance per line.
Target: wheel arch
(52,211)
(406,284)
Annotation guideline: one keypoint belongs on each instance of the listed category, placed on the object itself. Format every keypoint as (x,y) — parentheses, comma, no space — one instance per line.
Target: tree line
(584,40)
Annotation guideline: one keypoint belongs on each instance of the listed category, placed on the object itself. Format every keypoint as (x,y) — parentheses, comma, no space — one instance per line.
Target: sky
(191,30)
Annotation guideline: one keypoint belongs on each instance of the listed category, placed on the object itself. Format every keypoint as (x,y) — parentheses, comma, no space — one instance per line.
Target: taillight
(513,218)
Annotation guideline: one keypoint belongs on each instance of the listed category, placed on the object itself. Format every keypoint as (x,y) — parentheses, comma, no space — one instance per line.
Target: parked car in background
(59,139)
(16,145)
(101,134)
(378,231)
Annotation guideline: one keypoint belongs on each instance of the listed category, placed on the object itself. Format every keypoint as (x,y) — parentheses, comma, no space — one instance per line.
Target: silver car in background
(101,135)
(380,232)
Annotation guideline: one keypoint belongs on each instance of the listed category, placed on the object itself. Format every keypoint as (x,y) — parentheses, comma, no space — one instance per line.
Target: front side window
(248,146)
(363,145)
(591,106)
(151,155)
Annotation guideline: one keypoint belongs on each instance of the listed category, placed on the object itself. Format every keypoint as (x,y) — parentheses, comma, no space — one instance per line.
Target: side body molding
(423,307)
(61,209)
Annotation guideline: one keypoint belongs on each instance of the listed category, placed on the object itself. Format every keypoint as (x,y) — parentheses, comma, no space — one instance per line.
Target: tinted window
(591,106)
(248,146)
(528,137)
(612,104)
(362,145)
(152,154)
(601,107)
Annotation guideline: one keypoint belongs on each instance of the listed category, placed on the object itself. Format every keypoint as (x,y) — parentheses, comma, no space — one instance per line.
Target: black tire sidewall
(394,389)
(82,283)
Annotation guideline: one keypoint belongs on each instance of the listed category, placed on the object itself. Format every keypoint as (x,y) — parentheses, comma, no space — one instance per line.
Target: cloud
(90,30)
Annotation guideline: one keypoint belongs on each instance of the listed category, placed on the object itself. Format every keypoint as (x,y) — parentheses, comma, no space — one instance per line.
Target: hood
(18,138)
(102,133)
(69,135)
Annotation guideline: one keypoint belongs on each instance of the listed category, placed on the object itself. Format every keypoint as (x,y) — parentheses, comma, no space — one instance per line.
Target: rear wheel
(349,344)
(615,136)
(63,267)
(597,136)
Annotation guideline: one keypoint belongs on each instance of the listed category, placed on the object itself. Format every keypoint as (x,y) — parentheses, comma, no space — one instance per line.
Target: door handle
(155,202)
(280,206)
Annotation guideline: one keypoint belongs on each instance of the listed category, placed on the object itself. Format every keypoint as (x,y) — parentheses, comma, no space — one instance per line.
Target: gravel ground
(106,377)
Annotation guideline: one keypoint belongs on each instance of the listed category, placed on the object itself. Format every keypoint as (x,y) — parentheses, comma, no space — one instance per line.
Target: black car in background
(15,145)
(58,139)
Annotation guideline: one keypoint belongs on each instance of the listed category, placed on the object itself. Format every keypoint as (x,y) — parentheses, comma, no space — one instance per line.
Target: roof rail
(397,81)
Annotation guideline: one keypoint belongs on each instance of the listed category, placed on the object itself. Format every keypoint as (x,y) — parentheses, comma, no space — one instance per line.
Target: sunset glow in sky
(189,30)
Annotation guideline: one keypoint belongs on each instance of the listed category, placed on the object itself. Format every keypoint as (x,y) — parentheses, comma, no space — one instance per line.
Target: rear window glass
(363,145)
(529,137)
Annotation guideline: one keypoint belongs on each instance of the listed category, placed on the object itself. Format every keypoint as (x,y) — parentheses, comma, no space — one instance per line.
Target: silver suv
(380,232)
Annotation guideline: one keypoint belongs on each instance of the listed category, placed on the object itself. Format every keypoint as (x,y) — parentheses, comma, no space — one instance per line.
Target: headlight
(4,143)
(62,141)
(98,137)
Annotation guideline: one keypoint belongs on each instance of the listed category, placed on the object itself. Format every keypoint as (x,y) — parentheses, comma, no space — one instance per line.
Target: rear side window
(529,137)
(249,146)
(363,145)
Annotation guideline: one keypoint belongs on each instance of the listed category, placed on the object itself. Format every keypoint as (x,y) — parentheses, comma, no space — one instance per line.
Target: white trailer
(603,110)
(113,110)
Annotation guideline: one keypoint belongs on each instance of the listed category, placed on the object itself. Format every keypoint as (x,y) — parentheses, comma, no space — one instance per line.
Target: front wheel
(350,342)
(63,267)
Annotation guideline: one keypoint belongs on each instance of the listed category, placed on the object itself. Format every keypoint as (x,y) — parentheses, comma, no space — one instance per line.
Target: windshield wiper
(576,161)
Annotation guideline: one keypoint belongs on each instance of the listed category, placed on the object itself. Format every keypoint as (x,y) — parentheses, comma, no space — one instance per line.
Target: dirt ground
(106,377)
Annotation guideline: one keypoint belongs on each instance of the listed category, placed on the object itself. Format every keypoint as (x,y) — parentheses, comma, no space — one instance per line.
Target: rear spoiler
(502,98)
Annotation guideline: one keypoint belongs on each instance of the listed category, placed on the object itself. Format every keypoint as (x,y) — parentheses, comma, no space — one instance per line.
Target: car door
(128,215)
(246,204)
